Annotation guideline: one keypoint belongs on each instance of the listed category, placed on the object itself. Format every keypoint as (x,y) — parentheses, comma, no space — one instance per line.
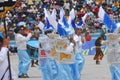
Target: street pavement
(90,71)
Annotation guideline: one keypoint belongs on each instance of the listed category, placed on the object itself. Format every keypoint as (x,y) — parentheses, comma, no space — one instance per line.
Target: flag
(52,19)
(63,24)
(63,19)
(80,23)
(54,13)
(71,20)
(105,18)
(47,26)
(61,30)
(73,23)
(82,20)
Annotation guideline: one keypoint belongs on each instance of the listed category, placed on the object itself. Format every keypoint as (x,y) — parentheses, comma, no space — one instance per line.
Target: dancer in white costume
(24,59)
(78,40)
(79,59)
(4,70)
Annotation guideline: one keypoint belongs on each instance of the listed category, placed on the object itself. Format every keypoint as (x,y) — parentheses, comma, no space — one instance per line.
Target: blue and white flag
(63,19)
(62,13)
(52,19)
(64,24)
(82,20)
(54,13)
(61,30)
(73,23)
(105,18)
(71,19)
(47,26)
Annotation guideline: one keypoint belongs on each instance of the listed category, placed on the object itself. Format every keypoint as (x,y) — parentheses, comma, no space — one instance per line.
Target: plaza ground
(90,71)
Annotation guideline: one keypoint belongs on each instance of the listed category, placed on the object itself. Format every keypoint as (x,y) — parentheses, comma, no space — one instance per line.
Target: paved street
(91,71)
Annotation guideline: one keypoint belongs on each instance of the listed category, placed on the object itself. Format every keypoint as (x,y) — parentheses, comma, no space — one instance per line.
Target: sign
(89,48)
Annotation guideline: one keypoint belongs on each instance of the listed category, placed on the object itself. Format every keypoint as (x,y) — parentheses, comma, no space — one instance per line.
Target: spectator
(87,36)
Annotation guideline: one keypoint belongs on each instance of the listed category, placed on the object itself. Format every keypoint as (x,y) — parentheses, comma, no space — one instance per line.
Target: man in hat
(24,59)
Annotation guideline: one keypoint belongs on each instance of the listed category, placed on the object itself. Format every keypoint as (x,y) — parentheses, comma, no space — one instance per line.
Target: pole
(9,65)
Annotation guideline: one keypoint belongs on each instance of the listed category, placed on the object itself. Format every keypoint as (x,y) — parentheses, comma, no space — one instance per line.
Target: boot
(32,63)
(97,62)
(23,76)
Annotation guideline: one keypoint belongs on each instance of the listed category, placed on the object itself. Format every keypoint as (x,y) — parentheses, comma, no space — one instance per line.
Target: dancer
(78,40)
(79,59)
(24,59)
(99,54)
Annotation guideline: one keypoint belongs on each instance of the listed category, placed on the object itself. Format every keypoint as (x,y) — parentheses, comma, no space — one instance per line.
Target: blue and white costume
(24,59)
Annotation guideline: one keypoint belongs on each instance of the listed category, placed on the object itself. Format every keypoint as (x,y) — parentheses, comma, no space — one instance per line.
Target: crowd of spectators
(31,11)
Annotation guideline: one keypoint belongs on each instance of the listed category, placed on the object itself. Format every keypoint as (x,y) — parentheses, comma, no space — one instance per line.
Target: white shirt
(21,41)
(41,25)
(4,65)
(78,41)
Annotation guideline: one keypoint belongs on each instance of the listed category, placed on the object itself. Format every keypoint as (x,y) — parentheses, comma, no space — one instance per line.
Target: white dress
(4,65)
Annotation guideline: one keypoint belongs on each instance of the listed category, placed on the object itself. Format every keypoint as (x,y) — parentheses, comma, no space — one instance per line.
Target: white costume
(113,45)
(78,41)
(4,65)
(24,59)
(22,39)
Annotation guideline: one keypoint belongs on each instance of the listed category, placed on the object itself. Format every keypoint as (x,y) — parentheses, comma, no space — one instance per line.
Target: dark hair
(99,38)
(77,29)
(1,40)
(17,29)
